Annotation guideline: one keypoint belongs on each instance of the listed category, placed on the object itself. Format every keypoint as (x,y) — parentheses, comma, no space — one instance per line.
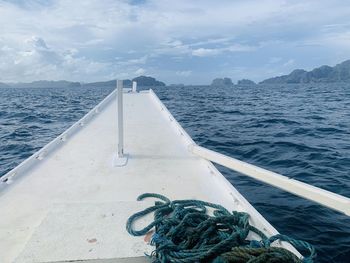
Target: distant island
(227,82)
(245,82)
(222,82)
(142,81)
(323,74)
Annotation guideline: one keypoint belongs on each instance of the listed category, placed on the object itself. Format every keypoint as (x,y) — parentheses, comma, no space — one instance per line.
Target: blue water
(299,131)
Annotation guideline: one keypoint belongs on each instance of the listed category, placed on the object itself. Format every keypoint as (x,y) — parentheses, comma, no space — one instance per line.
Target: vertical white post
(134,86)
(120,153)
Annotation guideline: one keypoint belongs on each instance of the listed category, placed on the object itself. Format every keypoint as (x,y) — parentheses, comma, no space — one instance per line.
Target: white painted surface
(87,231)
(80,170)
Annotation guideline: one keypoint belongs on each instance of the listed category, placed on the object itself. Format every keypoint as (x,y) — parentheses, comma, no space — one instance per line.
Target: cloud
(80,40)
(289,63)
(34,58)
(185,73)
(205,52)
(140,71)
(220,40)
(133,61)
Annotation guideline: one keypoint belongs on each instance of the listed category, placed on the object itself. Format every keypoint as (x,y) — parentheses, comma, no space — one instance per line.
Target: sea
(301,131)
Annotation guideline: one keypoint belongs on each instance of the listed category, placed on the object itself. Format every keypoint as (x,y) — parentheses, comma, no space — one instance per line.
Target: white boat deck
(69,202)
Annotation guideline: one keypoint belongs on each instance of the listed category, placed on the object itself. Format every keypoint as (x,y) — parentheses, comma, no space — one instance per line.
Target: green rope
(254,255)
(186,231)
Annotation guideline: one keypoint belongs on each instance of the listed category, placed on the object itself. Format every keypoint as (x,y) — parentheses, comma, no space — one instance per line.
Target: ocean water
(302,131)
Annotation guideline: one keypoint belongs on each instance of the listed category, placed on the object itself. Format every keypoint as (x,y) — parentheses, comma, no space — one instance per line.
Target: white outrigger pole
(326,198)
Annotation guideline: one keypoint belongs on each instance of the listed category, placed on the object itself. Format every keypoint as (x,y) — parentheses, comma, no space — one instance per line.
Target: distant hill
(144,81)
(45,84)
(246,82)
(325,74)
(222,82)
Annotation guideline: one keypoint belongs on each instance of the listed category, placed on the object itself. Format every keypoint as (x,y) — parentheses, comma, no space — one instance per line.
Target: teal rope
(185,232)
(257,255)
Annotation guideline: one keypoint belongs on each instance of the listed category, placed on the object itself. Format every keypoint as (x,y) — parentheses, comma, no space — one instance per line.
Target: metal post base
(120,161)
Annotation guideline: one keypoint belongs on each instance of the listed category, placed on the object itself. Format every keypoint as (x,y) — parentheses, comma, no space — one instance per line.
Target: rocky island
(246,82)
(222,82)
(323,74)
(142,81)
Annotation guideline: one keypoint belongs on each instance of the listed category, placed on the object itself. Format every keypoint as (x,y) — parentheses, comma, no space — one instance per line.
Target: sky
(177,41)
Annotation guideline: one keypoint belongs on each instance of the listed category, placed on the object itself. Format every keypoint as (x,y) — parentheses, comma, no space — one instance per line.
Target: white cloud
(289,63)
(205,52)
(140,71)
(80,40)
(185,73)
(221,40)
(133,61)
(34,59)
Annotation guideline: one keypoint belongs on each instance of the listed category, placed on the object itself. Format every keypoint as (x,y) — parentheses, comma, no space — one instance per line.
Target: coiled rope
(198,231)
